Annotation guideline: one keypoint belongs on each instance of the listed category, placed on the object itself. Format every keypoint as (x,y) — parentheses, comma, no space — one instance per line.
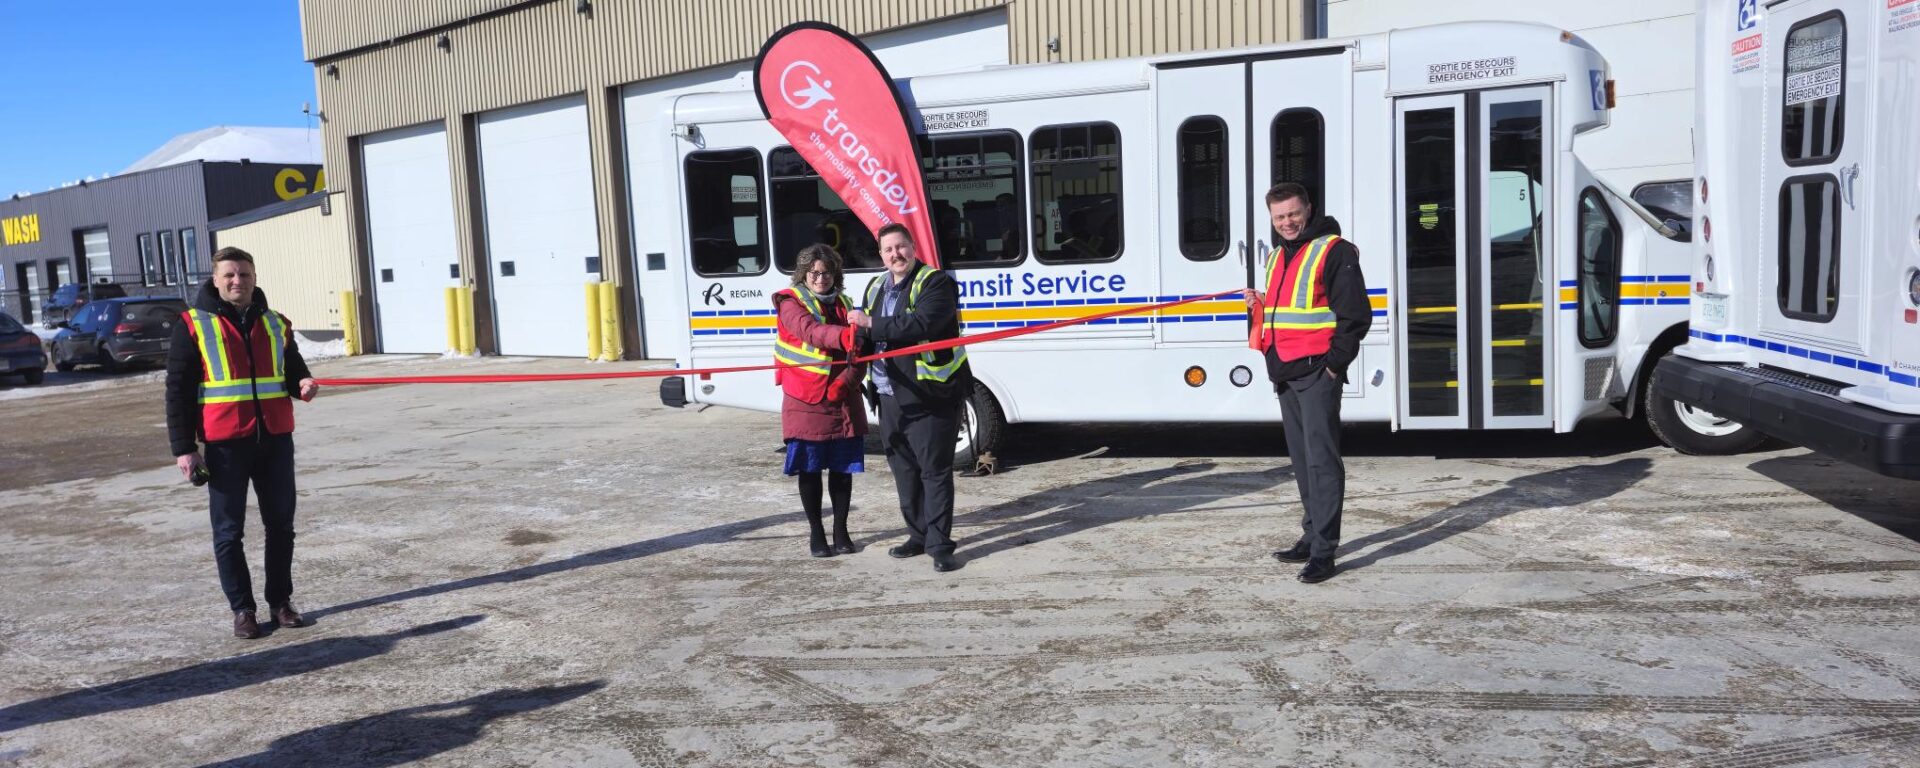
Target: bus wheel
(981,425)
(1693,431)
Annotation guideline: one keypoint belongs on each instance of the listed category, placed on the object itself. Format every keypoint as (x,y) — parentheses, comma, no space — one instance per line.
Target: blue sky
(91,86)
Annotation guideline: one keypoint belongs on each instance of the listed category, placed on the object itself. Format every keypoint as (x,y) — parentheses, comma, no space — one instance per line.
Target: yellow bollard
(350,322)
(453,319)
(466,320)
(593,321)
(610,347)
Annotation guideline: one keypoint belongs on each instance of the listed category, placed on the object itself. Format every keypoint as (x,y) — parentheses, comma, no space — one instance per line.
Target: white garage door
(409,197)
(542,241)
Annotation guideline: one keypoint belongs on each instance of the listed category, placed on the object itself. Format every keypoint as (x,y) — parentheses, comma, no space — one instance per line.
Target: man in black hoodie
(1312,318)
(228,370)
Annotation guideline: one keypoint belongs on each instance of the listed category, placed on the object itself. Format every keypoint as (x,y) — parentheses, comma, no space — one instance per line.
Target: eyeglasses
(811,274)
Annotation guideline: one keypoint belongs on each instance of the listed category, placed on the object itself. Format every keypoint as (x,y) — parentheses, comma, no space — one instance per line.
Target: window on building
(1813,98)
(1076,192)
(1672,203)
(807,211)
(1300,152)
(1809,275)
(169,259)
(189,256)
(1599,279)
(149,271)
(95,256)
(973,184)
(1201,154)
(726,223)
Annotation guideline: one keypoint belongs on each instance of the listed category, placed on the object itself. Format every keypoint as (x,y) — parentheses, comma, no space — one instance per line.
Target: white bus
(1511,289)
(1807,267)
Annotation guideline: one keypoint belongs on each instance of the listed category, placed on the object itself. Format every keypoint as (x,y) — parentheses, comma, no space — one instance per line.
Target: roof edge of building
(269,211)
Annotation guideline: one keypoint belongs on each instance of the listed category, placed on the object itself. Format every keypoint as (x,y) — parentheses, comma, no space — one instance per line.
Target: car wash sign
(828,95)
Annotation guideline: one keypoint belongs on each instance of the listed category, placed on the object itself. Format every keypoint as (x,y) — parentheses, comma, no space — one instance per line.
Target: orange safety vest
(807,382)
(1297,321)
(244,379)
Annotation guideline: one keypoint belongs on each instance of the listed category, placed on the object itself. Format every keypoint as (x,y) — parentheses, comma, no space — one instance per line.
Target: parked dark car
(69,298)
(20,351)
(117,333)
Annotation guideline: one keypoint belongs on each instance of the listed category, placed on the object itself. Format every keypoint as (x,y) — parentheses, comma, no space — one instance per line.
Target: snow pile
(232,143)
(320,350)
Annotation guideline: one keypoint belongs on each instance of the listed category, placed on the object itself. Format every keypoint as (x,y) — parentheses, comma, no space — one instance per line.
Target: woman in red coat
(822,415)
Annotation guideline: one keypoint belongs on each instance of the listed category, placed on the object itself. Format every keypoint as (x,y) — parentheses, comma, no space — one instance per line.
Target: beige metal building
(488,142)
(302,253)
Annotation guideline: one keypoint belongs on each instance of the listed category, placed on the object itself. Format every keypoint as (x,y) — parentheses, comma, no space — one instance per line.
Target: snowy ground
(572,574)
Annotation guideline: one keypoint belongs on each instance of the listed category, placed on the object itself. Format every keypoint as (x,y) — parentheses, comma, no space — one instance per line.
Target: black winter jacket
(935,317)
(1346,296)
(184,371)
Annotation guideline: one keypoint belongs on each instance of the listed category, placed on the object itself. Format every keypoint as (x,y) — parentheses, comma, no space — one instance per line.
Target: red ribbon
(964,341)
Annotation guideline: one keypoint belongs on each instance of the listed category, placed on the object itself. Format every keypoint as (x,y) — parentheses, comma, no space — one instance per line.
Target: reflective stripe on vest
(924,367)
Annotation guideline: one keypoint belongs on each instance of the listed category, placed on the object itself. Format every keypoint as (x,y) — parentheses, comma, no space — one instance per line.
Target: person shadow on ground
(1080,507)
(405,735)
(217,676)
(1566,487)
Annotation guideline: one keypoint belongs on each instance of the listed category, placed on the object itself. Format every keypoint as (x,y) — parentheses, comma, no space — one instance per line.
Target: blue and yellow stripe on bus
(1638,291)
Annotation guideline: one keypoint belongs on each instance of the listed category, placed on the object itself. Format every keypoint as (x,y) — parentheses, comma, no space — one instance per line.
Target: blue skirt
(846,455)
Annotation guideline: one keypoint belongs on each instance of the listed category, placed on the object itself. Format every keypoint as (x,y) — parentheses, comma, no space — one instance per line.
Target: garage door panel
(537,190)
(410,231)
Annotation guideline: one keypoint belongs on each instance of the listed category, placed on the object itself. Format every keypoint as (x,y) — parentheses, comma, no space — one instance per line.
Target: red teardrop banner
(833,101)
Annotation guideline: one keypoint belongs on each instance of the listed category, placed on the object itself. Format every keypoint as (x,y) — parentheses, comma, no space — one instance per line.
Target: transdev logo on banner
(827,94)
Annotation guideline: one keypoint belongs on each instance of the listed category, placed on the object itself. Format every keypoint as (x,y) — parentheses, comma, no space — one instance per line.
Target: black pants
(266,463)
(1310,413)
(919,440)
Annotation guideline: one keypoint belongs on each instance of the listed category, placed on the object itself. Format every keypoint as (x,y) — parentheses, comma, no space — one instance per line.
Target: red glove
(836,389)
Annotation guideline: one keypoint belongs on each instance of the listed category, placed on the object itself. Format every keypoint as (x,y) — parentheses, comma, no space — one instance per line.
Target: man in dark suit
(920,396)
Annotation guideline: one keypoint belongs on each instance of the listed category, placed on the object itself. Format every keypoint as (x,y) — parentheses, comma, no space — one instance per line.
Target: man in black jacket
(1314,316)
(919,395)
(228,368)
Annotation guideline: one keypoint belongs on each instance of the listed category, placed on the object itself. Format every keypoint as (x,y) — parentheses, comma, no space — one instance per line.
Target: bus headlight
(1913,286)
(1708,267)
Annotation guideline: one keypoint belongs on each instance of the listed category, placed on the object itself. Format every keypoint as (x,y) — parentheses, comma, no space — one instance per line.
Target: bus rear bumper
(1773,403)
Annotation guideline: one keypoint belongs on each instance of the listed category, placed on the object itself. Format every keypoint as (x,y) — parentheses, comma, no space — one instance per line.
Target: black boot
(840,490)
(810,501)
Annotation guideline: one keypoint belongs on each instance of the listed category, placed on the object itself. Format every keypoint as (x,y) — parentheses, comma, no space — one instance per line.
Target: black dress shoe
(1298,553)
(1318,569)
(820,548)
(945,562)
(244,625)
(905,551)
(844,546)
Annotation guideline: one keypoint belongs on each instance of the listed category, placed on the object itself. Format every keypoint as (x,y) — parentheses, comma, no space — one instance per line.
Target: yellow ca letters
(289,175)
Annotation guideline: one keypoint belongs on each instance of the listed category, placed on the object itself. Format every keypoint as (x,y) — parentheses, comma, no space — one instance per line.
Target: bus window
(1599,270)
(807,211)
(973,181)
(1299,152)
(1809,277)
(1076,192)
(726,225)
(1672,203)
(1201,149)
(1813,120)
